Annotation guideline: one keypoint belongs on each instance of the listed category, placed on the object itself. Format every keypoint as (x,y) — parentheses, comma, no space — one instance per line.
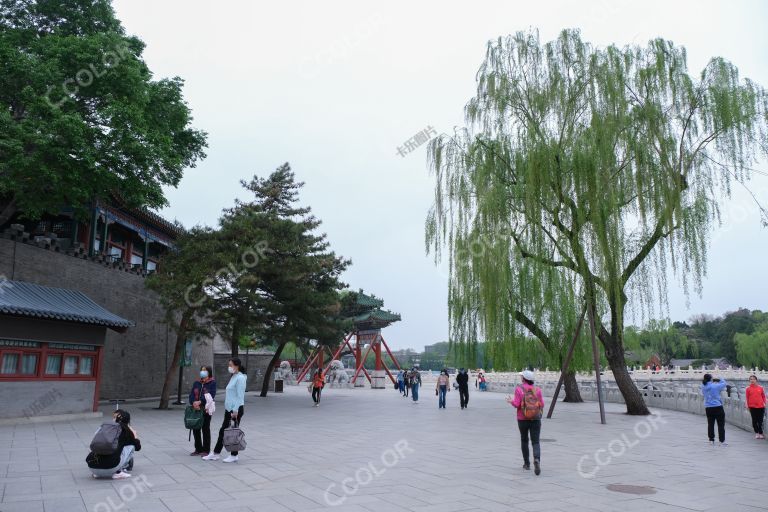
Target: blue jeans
(401,386)
(125,458)
(415,392)
(441,399)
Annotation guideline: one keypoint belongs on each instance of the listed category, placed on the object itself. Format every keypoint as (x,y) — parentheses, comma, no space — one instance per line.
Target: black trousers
(224,425)
(534,428)
(464,396)
(757,419)
(716,414)
(316,394)
(203,445)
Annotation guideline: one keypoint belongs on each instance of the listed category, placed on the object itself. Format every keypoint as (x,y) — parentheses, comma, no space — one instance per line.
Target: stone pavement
(372,450)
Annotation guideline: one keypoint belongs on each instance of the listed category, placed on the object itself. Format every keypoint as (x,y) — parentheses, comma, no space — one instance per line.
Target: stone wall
(255,363)
(135,362)
(45,398)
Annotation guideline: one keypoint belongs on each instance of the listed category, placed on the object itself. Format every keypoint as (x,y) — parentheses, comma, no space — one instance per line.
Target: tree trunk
(270,369)
(181,337)
(236,338)
(572,393)
(614,352)
(8,211)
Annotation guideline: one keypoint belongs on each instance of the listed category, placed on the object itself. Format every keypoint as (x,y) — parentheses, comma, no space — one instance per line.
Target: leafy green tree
(81,116)
(752,349)
(585,173)
(660,338)
(179,282)
(290,292)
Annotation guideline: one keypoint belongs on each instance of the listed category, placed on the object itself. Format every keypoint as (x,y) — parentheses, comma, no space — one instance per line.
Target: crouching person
(113,447)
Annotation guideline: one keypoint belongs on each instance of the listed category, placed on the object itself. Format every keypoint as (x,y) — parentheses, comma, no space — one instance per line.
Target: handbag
(234,439)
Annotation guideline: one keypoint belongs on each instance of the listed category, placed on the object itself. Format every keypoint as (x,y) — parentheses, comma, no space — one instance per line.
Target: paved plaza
(372,450)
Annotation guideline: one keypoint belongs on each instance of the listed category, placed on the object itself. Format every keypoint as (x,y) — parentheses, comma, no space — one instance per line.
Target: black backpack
(106,441)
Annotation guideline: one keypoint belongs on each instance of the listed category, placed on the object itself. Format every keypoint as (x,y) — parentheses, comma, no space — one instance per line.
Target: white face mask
(230,369)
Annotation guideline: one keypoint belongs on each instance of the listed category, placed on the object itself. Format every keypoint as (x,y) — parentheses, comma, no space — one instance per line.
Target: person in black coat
(462,379)
(118,464)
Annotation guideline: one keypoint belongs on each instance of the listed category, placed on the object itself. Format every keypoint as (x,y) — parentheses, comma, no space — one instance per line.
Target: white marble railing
(677,395)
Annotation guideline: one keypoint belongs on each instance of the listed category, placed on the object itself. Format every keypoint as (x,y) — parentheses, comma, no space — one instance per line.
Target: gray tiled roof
(27,299)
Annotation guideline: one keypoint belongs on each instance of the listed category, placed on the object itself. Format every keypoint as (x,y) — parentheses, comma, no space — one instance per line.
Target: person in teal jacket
(713,405)
(234,400)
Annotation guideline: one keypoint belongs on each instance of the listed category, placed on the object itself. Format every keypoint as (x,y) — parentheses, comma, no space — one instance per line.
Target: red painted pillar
(99,364)
(358,351)
(377,352)
(321,353)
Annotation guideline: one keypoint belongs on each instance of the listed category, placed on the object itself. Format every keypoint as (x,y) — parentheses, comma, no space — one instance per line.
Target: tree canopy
(264,272)
(82,116)
(582,175)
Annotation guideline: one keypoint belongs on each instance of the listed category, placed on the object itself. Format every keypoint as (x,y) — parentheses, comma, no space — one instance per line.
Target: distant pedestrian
(462,379)
(201,397)
(713,405)
(401,381)
(756,404)
(406,382)
(318,383)
(529,404)
(441,387)
(234,403)
(481,381)
(415,378)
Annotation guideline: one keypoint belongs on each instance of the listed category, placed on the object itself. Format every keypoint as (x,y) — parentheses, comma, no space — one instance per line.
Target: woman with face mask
(202,390)
(234,400)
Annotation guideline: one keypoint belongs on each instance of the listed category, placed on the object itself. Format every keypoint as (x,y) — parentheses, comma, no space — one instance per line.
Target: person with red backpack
(530,405)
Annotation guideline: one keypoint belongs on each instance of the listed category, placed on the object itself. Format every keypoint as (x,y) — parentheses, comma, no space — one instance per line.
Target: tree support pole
(567,363)
(596,359)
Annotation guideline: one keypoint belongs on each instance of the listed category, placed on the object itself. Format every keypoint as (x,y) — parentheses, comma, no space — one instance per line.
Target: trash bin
(277,387)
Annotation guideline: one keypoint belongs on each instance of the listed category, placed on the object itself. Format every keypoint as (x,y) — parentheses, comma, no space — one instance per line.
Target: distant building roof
(33,300)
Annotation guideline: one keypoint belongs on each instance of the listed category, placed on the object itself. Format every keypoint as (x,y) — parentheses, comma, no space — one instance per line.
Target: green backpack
(193,418)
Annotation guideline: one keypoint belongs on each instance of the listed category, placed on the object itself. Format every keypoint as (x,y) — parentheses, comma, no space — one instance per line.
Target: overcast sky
(335,87)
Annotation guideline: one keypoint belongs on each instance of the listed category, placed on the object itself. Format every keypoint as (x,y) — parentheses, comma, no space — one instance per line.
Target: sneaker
(196,453)
(762,436)
(120,475)
(527,467)
(212,456)
(537,467)
(723,444)
(757,436)
(711,443)
(231,458)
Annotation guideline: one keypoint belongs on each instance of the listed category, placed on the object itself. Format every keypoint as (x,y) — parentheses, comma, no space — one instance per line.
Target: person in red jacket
(529,404)
(756,404)
(318,382)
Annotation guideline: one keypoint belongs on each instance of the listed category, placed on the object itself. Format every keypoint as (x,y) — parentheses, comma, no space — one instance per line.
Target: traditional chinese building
(51,350)
(104,255)
(133,236)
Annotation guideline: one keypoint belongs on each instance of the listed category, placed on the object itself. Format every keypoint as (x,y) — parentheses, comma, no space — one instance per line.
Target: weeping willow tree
(582,176)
